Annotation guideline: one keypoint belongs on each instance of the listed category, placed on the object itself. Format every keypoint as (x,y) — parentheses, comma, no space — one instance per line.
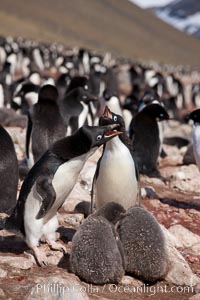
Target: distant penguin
(49,183)
(8,173)
(45,123)
(195,94)
(25,96)
(74,108)
(144,245)
(116,177)
(144,132)
(97,256)
(195,117)
(92,106)
(77,81)
(62,83)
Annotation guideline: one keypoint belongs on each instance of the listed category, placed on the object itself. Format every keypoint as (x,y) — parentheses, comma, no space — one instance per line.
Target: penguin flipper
(92,193)
(46,191)
(96,174)
(28,134)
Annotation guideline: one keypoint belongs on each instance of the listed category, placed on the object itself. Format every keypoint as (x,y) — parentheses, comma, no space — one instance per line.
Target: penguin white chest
(196,143)
(63,183)
(83,115)
(66,177)
(117,177)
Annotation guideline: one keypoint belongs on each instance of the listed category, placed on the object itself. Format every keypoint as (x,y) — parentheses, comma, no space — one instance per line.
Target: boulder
(17,262)
(189,240)
(171,239)
(195,297)
(3,273)
(179,271)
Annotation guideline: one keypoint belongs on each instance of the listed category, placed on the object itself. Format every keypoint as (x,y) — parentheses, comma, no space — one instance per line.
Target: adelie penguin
(89,107)
(74,108)
(8,173)
(116,177)
(144,245)
(97,255)
(49,183)
(144,132)
(195,117)
(45,123)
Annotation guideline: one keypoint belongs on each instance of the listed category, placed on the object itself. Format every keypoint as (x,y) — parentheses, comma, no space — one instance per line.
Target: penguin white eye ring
(86,87)
(115,118)
(99,137)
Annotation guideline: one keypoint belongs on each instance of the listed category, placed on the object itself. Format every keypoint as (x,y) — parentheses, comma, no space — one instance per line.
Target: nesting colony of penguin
(71,103)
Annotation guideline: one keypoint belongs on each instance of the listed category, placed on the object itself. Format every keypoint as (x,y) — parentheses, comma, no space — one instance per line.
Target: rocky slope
(107,25)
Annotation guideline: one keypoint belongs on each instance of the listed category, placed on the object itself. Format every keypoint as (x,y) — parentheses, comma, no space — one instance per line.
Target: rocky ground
(176,205)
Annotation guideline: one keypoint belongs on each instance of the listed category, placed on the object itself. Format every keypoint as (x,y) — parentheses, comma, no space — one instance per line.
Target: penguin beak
(111,132)
(107,113)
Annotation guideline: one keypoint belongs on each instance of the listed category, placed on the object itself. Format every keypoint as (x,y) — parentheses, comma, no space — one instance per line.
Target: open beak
(107,113)
(111,131)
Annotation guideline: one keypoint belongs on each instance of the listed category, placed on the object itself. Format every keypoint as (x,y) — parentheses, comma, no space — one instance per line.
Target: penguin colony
(71,102)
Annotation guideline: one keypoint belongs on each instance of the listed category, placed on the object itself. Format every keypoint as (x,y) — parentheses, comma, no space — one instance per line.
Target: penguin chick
(144,132)
(116,177)
(111,211)
(49,183)
(97,256)
(8,173)
(83,207)
(195,117)
(144,245)
(45,124)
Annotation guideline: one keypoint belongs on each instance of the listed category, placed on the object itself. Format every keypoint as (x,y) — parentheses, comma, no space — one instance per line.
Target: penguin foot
(40,257)
(57,246)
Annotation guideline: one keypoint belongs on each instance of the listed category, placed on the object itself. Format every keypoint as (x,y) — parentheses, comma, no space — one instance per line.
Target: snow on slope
(180,18)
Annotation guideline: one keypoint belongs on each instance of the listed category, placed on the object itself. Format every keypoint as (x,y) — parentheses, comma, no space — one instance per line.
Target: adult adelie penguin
(45,124)
(144,132)
(195,117)
(144,245)
(8,173)
(48,184)
(116,177)
(97,256)
(74,108)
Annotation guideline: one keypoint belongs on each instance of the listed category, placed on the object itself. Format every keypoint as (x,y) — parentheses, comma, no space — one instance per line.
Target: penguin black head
(78,81)
(154,109)
(150,97)
(83,140)
(26,87)
(48,93)
(131,103)
(195,116)
(99,135)
(107,94)
(84,95)
(111,211)
(109,117)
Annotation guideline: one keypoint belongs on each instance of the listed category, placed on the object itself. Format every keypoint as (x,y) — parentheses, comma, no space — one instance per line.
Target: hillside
(113,25)
(183,14)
